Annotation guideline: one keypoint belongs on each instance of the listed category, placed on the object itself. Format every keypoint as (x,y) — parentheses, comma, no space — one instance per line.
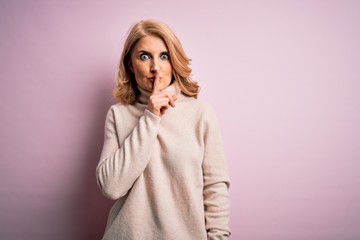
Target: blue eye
(144,56)
(165,56)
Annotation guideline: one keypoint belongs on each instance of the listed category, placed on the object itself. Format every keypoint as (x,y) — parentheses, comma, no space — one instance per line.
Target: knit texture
(168,174)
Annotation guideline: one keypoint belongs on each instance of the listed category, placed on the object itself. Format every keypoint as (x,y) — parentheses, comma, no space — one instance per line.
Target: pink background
(283,77)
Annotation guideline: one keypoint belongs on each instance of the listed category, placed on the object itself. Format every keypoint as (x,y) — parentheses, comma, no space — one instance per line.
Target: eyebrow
(144,51)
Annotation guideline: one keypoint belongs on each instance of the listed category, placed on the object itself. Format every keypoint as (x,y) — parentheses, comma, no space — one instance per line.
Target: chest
(179,142)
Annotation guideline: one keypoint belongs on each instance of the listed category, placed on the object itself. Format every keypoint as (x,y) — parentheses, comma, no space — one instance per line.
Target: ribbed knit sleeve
(122,163)
(216,181)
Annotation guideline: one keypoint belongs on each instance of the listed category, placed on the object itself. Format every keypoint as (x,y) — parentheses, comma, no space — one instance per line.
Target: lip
(151,79)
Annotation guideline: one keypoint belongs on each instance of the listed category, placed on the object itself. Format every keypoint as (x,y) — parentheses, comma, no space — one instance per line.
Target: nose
(155,67)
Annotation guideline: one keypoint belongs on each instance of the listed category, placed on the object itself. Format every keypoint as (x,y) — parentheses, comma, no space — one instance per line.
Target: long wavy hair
(126,90)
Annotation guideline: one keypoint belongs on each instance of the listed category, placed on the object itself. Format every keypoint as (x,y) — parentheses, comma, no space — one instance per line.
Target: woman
(163,159)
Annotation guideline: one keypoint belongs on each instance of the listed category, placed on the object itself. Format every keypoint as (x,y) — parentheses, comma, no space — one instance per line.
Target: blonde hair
(126,91)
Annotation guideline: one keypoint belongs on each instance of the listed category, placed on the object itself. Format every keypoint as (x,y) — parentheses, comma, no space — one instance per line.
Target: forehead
(150,44)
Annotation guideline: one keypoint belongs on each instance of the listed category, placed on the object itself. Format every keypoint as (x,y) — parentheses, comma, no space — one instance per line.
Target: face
(149,57)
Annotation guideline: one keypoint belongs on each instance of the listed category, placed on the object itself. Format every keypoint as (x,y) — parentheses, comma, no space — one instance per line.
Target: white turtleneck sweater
(167,174)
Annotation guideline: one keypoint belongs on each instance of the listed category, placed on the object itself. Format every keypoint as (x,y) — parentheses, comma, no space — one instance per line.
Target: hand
(159,101)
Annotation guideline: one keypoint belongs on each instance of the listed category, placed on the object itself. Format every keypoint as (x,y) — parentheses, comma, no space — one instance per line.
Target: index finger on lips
(156,84)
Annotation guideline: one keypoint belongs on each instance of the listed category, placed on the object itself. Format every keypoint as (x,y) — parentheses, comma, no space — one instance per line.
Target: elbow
(109,188)
(112,195)
(110,191)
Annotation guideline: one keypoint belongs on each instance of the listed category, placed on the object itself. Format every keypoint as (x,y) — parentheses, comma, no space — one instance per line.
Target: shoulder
(116,110)
(202,108)
(117,107)
(113,109)
(120,108)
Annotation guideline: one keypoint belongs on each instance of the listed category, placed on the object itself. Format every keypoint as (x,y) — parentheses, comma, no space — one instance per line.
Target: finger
(164,102)
(156,87)
(158,103)
(171,98)
(163,109)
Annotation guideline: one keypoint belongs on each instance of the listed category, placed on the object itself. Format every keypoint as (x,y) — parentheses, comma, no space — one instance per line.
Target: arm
(216,182)
(121,165)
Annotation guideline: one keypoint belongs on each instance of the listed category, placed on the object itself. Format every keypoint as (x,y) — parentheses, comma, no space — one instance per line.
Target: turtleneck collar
(144,96)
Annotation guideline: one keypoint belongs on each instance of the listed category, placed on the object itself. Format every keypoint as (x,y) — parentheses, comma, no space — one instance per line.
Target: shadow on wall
(91,208)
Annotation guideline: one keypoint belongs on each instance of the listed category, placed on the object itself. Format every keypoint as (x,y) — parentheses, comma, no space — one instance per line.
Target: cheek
(169,70)
(140,70)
